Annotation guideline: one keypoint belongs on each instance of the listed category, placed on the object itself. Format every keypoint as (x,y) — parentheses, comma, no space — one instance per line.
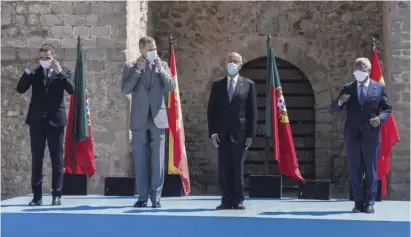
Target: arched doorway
(300,102)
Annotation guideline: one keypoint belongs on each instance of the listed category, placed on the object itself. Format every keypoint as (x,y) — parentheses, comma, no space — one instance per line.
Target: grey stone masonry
(102,26)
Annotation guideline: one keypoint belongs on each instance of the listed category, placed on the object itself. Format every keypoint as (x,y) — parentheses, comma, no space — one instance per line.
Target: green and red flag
(389,131)
(177,156)
(78,147)
(277,123)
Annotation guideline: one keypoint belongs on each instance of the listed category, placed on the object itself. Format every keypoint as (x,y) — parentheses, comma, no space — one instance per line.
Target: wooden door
(299,99)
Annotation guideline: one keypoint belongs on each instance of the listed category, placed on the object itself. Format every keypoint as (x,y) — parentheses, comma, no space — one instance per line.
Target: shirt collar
(366,84)
(235,78)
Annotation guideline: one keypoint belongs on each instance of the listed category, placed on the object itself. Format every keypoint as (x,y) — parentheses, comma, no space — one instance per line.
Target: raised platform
(102,216)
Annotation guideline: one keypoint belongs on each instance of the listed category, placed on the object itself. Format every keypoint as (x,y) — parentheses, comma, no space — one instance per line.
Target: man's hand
(55,65)
(248,143)
(375,122)
(215,139)
(141,63)
(343,98)
(157,62)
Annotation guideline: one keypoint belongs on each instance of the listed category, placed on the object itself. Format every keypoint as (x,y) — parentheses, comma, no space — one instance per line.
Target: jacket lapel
(154,71)
(355,92)
(371,87)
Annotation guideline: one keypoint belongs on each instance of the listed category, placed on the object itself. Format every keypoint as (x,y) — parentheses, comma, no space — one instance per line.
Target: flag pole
(73,130)
(266,148)
(167,146)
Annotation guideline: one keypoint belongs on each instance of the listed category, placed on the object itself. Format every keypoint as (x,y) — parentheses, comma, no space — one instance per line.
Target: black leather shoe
(156,205)
(239,207)
(369,209)
(223,207)
(358,208)
(35,202)
(140,204)
(56,201)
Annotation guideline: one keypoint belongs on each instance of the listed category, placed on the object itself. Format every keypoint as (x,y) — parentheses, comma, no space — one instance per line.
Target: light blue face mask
(151,55)
(232,68)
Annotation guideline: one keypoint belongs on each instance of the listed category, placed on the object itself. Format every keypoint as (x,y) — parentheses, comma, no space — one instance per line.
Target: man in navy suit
(46,118)
(368,108)
(232,122)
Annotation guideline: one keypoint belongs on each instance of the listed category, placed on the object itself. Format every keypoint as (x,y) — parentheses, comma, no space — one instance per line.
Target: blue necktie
(362,95)
(231,89)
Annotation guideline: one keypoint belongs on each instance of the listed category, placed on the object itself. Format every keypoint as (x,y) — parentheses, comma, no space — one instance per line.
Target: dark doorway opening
(299,99)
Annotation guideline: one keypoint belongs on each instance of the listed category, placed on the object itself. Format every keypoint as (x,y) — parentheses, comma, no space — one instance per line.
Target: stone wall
(321,38)
(397,46)
(104,27)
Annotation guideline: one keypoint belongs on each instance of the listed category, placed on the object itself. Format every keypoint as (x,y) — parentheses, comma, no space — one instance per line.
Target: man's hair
(363,63)
(145,40)
(236,55)
(47,47)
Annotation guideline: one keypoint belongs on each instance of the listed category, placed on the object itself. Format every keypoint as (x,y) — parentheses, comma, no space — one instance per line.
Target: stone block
(102,7)
(13,42)
(33,42)
(19,19)
(116,55)
(5,18)
(119,32)
(119,20)
(26,53)
(74,20)
(94,66)
(111,43)
(10,31)
(39,8)
(54,41)
(62,31)
(120,7)
(8,53)
(82,31)
(62,7)
(91,19)
(114,67)
(96,54)
(82,8)
(8,8)
(100,31)
(22,7)
(33,19)
(52,20)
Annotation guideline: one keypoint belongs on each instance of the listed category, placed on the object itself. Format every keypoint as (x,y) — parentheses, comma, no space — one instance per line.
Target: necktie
(362,95)
(47,76)
(231,89)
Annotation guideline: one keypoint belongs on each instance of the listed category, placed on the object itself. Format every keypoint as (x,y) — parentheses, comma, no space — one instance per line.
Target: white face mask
(360,75)
(232,68)
(151,55)
(45,64)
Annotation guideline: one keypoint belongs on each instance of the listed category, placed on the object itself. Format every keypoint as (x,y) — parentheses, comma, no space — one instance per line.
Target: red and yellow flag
(389,131)
(277,123)
(177,156)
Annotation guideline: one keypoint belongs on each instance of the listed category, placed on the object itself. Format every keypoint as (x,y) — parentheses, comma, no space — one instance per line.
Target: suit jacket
(47,99)
(235,120)
(145,96)
(376,104)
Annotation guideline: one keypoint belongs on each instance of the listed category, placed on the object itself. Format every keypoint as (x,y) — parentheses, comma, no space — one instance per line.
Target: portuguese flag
(389,131)
(177,156)
(277,122)
(78,146)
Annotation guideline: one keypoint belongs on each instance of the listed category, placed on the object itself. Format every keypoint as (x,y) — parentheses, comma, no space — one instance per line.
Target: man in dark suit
(46,118)
(232,120)
(368,108)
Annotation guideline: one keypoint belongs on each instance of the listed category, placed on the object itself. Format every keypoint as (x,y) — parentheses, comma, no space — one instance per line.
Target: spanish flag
(389,131)
(177,156)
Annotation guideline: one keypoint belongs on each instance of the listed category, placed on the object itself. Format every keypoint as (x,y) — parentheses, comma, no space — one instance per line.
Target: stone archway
(300,103)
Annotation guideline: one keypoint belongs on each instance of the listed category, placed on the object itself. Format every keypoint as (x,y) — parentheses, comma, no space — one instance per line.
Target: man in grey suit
(148,79)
